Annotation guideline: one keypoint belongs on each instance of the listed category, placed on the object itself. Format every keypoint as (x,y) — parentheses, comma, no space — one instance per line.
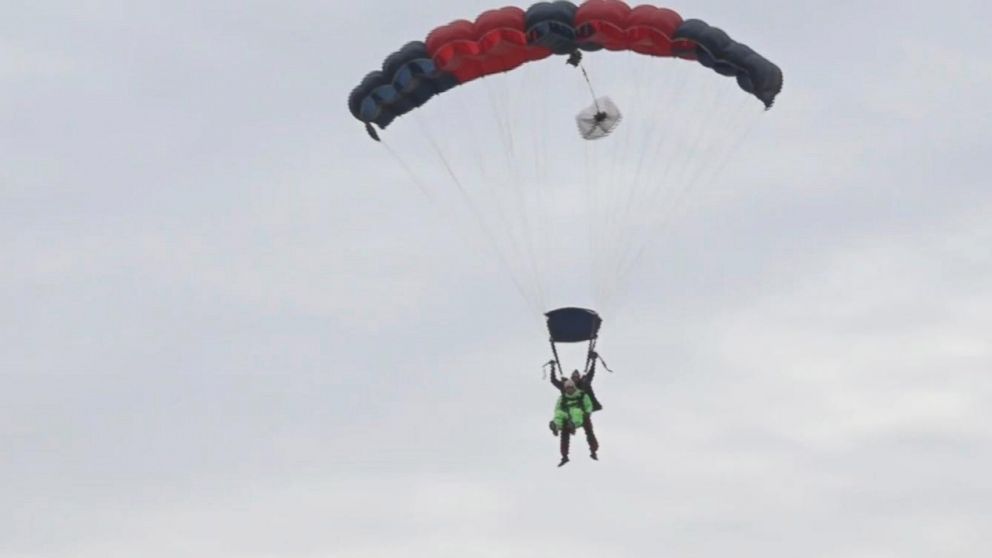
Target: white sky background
(231,328)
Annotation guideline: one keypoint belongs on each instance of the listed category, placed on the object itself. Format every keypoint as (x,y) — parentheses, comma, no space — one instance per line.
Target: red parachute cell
(645,29)
(603,22)
(650,31)
(496,42)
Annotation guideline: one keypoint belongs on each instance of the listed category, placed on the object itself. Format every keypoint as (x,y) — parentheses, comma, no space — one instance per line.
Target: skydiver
(583,382)
(573,408)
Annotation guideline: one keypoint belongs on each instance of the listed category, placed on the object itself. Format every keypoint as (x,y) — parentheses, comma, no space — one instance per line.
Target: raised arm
(555,381)
(587,378)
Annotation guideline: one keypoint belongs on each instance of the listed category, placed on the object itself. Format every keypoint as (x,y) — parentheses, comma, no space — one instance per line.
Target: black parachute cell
(407,80)
(550,25)
(715,49)
(573,325)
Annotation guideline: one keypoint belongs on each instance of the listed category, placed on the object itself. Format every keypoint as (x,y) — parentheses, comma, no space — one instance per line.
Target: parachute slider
(598,120)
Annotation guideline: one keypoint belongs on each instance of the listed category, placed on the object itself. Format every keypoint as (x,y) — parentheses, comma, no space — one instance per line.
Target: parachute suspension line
(491,187)
(604,185)
(676,160)
(413,176)
(660,129)
(743,124)
(595,100)
(535,124)
(513,179)
(681,162)
(420,186)
(590,361)
(650,147)
(594,214)
(712,152)
(536,304)
(632,261)
(689,177)
(595,269)
(640,128)
(416,179)
(538,224)
(704,176)
(615,179)
(504,183)
(610,181)
(744,127)
(677,167)
(554,351)
(490,199)
(637,110)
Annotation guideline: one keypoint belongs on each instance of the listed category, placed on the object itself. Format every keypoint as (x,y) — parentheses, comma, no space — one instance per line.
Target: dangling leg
(558,422)
(566,435)
(572,418)
(562,425)
(591,438)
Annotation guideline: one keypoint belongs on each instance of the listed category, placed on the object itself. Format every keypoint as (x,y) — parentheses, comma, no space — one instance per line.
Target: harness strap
(604,363)
(544,369)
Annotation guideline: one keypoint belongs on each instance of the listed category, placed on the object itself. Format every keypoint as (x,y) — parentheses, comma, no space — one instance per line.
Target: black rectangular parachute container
(573,325)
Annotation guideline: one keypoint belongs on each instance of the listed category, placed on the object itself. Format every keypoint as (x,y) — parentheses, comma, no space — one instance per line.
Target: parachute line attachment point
(371,132)
(595,100)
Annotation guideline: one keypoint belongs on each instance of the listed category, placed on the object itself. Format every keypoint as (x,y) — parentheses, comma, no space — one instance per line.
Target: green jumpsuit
(575,408)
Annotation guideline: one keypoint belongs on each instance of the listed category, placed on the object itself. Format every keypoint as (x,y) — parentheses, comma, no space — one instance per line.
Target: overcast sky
(230,327)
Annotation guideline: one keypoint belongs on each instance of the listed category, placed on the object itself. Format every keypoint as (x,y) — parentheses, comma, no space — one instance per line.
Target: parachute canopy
(503,39)
(567,219)
(573,325)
